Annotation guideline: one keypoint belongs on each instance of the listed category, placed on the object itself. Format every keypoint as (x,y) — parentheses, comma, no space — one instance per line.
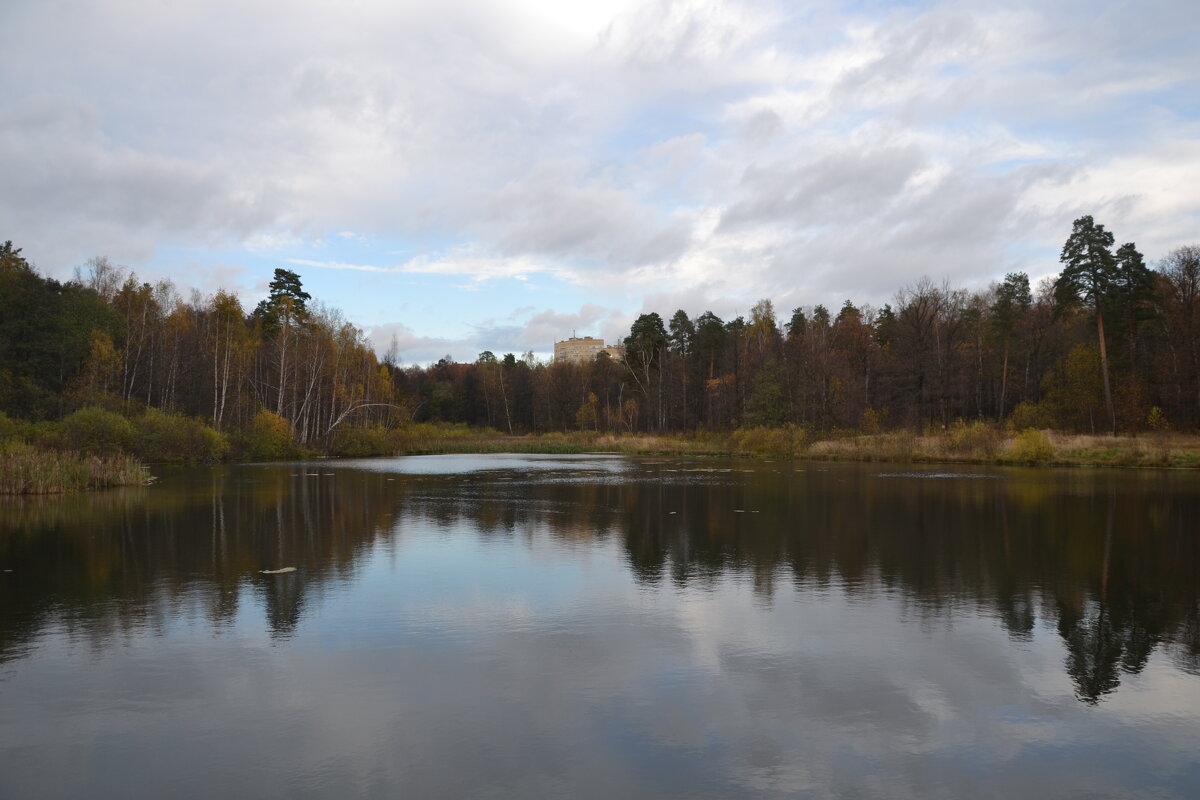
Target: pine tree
(643,354)
(1089,275)
(283,310)
(1134,291)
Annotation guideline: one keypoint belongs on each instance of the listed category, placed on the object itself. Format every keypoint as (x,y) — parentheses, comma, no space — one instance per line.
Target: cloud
(711,152)
(478,268)
(526,329)
(70,187)
(541,330)
(557,211)
(412,348)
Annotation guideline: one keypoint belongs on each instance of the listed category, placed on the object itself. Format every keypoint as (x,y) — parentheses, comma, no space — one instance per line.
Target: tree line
(1111,344)
(108,339)
(1027,356)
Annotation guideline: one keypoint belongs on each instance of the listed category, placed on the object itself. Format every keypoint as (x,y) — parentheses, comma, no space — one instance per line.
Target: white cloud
(629,150)
(526,329)
(478,268)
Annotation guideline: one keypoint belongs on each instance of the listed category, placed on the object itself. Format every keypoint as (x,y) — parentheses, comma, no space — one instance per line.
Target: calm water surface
(533,626)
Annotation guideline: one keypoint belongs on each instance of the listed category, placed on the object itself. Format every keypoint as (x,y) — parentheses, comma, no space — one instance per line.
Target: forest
(1111,345)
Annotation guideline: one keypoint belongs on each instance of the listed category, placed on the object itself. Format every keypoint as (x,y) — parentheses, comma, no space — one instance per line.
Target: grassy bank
(428,439)
(25,469)
(984,444)
(971,444)
(96,448)
(1028,447)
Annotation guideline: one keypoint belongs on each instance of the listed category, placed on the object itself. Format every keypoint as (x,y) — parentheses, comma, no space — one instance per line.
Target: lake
(601,626)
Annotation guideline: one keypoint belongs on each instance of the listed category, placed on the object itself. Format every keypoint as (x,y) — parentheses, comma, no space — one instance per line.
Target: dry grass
(25,469)
(423,439)
(1149,450)
(895,446)
(656,445)
(428,439)
(975,443)
(979,444)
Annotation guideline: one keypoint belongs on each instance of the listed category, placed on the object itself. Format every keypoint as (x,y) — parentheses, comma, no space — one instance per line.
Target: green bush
(1028,415)
(173,437)
(8,428)
(366,441)
(268,436)
(1031,447)
(44,434)
(96,430)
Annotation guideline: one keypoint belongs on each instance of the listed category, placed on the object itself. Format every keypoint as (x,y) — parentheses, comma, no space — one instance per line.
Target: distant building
(577,350)
(616,351)
(581,349)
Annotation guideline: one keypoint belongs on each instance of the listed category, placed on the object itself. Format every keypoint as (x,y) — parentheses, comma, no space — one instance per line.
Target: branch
(348,411)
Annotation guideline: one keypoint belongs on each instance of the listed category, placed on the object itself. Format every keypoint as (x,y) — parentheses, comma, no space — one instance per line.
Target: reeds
(895,446)
(25,469)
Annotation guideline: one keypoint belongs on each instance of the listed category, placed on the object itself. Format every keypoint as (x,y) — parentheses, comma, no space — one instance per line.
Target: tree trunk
(683,384)
(1003,383)
(504,396)
(1108,403)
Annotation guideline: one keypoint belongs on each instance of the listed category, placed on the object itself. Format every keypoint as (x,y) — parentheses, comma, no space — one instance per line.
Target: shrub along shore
(95,447)
(25,469)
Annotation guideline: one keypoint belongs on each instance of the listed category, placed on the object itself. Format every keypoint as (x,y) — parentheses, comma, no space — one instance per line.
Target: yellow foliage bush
(174,437)
(1031,446)
(268,436)
(978,440)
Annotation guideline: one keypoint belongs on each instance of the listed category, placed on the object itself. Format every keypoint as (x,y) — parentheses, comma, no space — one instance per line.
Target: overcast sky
(495,175)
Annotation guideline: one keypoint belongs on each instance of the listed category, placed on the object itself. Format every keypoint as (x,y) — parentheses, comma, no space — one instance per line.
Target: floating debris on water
(936,475)
(279,571)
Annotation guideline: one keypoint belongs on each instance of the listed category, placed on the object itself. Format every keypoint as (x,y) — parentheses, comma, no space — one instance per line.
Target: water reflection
(107,562)
(876,599)
(1111,559)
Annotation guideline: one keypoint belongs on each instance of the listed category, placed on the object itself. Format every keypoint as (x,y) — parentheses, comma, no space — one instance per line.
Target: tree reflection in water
(1109,558)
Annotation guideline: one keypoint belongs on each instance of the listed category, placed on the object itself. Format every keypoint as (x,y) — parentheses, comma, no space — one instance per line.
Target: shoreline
(968,445)
(31,470)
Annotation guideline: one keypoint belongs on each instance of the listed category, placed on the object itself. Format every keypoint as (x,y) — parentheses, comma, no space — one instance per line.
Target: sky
(463,176)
